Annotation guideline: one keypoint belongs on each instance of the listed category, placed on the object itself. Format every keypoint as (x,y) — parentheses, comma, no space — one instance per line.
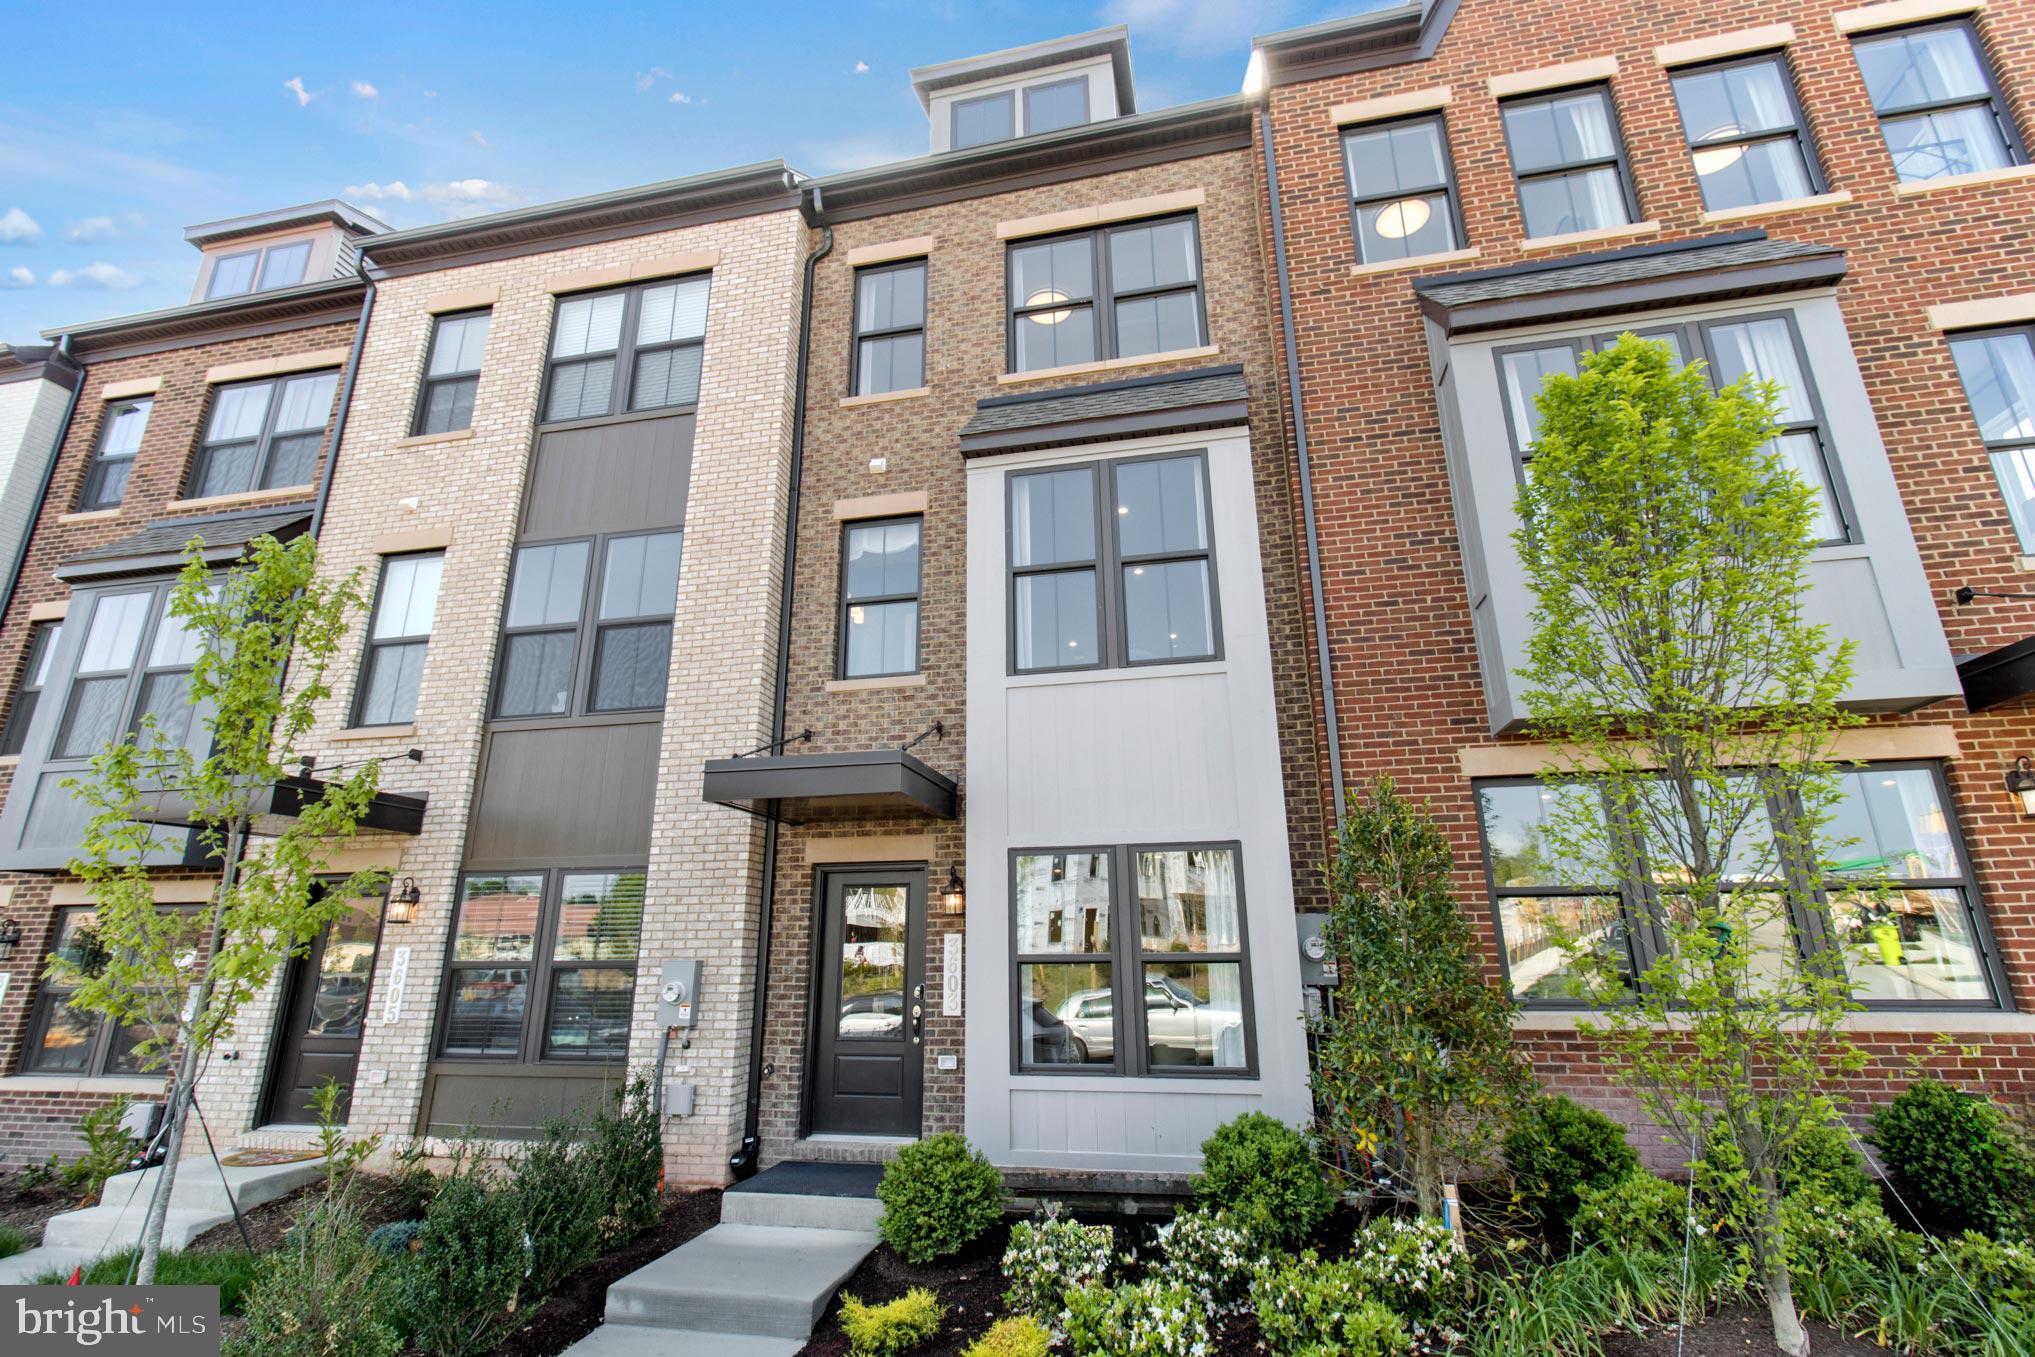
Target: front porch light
(403,901)
(954,899)
(10,936)
(2021,782)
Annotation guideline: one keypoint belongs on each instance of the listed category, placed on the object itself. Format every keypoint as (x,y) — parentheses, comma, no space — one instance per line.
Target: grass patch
(12,1241)
(230,1270)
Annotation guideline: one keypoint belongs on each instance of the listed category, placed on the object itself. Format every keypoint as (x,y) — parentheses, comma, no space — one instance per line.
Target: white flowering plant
(1154,1317)
(1213,1255)
(1823,1229)
(1307,1307)
(1049,1257)
(1416,1268)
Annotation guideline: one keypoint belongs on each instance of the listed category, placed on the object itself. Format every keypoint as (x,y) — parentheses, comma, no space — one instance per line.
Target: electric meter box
(678,990)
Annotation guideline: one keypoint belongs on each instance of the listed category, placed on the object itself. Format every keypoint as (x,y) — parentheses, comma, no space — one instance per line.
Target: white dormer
(283,248)
(1026,91)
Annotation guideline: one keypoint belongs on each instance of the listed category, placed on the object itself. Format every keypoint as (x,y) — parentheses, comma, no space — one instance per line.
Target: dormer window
(258,270)
(1056,104)
(1048,106)
(1028,91)
(993,117)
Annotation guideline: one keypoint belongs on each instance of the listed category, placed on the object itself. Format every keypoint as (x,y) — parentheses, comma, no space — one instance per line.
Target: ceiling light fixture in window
(1046,296)
(1714,158)
(1396,221)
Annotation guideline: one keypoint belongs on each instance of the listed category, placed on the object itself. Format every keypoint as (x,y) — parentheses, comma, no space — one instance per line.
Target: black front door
(867,1070)
(324,1010)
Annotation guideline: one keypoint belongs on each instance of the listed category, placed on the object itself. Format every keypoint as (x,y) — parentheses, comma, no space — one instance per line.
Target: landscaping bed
(26,1203)
(1735,1331)
(970,1286)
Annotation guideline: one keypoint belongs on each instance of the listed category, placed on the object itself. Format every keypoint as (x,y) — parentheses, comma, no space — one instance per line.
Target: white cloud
(91,231)
(645,79)
(680,97)
(453,197)
(478,139)
(295,85)
(18,228)
(365,90)
(1200,27)
(109,277)
(862,68)
(19,277)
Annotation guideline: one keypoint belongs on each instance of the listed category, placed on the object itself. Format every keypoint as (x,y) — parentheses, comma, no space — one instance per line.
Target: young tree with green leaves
(1418,1045)
(1692,705)
(180,979)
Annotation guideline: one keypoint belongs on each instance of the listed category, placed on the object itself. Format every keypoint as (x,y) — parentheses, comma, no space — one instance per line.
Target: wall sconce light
(955,898)
(403,901)
(10,936)
(2021,782)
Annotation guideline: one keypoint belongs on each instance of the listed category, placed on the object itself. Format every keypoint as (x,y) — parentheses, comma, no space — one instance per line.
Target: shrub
(893,1327)
(1012,1336)
(1415,1268)
(626,1151)
(469,1269)
(939,1196)
(1558,1146)
(1211,1255)
(109,1149)
(12,1241)
(1155,1317)
(1263,1171)
(1956,1160)
(1308,1308)
(1824,1159)
(1824,1231)
(231,1270)
(327,1292)
(1639,1211)
(396,1238)
(562,1203)
(1048,1258)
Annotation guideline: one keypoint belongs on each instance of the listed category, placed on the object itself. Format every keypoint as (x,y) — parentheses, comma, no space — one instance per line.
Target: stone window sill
(2012,174)
(425,439)
(90,515)
(245,497)
(1809,204)
(1602,233)
(1418,261)
(402,732)
(879,397)
(1108,365)
(864,685)
(72,1083)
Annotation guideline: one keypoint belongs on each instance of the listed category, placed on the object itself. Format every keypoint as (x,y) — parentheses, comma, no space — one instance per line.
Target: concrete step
(198,1184)
(109,1229)
(801,1211)
(636,1340)
(764,1280)
(31,1263)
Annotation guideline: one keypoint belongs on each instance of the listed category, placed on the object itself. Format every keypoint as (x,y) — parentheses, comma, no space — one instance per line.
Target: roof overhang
(1181,402)
(285,308)
(1114,43)
(164,544)
(872,781)
(38,362)
(329,212)
(285,799)
(1997,677)
(1361,42)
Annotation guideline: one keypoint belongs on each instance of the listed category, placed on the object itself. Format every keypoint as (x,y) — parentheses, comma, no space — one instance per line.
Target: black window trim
(100,1052)
(1447,188)
(848,601)
(1638,900)
(1620,158)
(1112,629)
(624,353)
(533,1045)
(371,645)
(1799,131)
(92,496)
(1127,957)
(426,383)
(265,441)
(1103,301)
(1994,100)
(2025,331)
(44,635)
(585,630)
(135,675)
(856,334)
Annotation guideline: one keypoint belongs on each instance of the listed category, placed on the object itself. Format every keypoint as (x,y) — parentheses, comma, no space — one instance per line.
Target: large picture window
(1568,157)
(588,626)
(1939,104)
(636,348)
(264,435)
(1895,899)
(542,966)
(1120,292)
(1131,960)
(120,434)
(1134,585)
(1997,369)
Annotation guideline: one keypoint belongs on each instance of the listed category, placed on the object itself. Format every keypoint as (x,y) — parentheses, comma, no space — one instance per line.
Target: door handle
(918,1022)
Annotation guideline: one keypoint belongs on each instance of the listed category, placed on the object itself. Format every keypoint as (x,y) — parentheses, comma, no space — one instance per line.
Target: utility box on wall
(1316,968)
(678,989)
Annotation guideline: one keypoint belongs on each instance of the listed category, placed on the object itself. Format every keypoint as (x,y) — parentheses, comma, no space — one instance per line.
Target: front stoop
(754,1285)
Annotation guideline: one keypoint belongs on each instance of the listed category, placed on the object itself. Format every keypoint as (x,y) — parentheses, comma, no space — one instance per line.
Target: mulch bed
(25,1208)
(1737,1331)
(380,1199)
(970,1285)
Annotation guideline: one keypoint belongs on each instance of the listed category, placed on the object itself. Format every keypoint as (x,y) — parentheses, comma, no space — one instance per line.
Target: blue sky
(125,122)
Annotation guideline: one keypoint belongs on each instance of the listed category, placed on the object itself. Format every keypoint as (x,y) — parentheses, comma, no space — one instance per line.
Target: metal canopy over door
(324,1010)
(868,1068)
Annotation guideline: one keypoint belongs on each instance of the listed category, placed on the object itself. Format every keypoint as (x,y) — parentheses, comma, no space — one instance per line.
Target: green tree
(1664,539)
(180,979)
(1419,1044)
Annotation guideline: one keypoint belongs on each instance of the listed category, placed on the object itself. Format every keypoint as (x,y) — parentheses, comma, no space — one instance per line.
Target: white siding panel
(1154,1129)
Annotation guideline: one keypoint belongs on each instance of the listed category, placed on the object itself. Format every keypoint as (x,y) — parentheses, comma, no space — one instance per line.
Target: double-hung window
(636,348)
(1940,107)
(1746,134)
(543,966)
(1120,292)
(1135,585)
(133,669)
(1402,189)
(890,328)
(452,373)
(35,667)
(120,434)
(264,435)
(1998,371)
(588,627)
(1569,159)
(67,1040)
(399,632)
(880,564)
(1130,960)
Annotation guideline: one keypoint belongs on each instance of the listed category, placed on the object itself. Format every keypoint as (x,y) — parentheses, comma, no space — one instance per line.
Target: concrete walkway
(754,1285)
(198,1201)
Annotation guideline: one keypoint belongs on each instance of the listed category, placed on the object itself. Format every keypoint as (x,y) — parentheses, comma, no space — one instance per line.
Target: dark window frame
(264,441)
(1103,303)
(260,254)
(586,631)
(1008,96)
(1112,628)
(37,657)
(427,384)
(92,494)
(1447,188)
(1126,957)
(621,391)
(106,1052)
(1994,101)
(856,334)
(133,677)
(1620,159)
(2024,331)
(372,646)
(1799,131)
(534,1042)
(1809,927)
(1027,91)
(848,601)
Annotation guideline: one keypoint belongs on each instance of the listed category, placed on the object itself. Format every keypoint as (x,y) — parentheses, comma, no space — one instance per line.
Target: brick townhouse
(1837,199)
(206,420)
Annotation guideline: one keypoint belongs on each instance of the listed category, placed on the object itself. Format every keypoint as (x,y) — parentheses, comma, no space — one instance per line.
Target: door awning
(285,799)
(873,781)
(1998,676)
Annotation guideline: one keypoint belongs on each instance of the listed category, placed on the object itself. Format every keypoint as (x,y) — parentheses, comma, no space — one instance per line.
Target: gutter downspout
(345,402)
(743,1162)
(49,475)
(1322,667)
